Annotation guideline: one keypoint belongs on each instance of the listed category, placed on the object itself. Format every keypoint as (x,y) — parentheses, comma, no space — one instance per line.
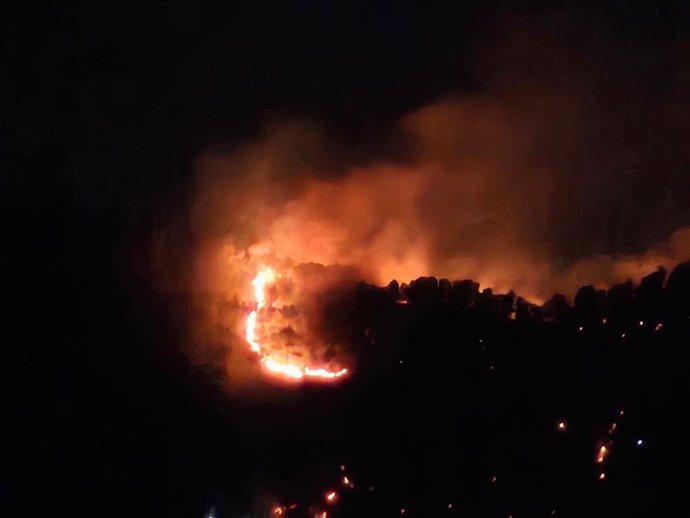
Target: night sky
(461,402)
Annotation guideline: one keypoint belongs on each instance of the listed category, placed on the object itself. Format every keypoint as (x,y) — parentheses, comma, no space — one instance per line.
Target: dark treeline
(621,304)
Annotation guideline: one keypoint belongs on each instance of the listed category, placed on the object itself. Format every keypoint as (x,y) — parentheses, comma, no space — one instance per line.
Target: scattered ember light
(641,323)
(603,320)
(331,497)
(658,326)
(493,479)
(613,428)
(279,367)
(622,335)
(621,413)
(278,510)
(371,489)
(602,476)
(580,328)
(450,506)
(640,442)
(402,511)
(342,467)
(562,426)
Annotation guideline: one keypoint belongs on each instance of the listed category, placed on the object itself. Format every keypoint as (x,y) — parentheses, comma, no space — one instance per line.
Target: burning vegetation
(283,352)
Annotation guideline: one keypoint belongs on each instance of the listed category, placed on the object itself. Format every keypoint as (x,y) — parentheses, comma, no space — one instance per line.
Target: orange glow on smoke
(272,364)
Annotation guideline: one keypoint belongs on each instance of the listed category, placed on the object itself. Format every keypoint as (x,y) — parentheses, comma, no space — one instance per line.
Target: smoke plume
(566,166)
(487,196)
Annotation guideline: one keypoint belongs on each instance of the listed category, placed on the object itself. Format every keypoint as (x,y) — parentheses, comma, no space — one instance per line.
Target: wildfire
(274,365)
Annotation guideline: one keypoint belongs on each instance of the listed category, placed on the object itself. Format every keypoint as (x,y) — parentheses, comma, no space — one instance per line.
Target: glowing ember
(274,365)
(331,497)
(562,426)
(603,451)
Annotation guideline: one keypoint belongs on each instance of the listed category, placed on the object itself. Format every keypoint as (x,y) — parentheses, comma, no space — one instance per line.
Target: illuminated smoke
(540,181)
(471,203)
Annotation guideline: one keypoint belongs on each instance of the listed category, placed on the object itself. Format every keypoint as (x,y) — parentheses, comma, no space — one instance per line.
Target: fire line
(273,365)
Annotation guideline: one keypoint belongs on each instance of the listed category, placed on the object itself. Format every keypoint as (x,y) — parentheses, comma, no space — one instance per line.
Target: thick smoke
(566,166)
(489,195)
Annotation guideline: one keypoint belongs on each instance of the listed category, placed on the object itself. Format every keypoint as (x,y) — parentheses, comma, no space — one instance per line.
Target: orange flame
(289,370)
(603,451)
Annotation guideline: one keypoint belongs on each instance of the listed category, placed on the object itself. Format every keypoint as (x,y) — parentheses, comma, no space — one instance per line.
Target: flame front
(273,365)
